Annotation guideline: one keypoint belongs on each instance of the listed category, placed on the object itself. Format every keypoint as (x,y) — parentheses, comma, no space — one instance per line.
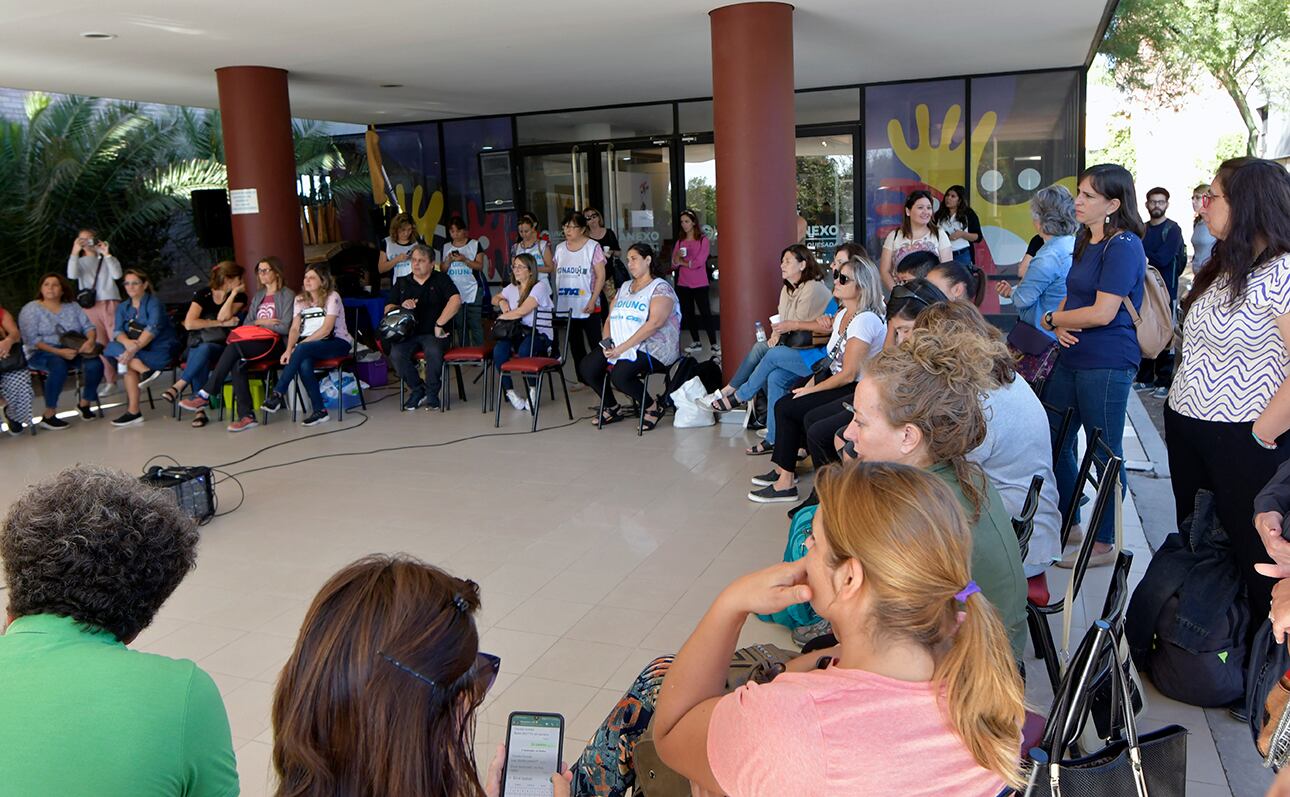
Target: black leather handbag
(1154,763)
(17,359)
(798,339)
(89,296)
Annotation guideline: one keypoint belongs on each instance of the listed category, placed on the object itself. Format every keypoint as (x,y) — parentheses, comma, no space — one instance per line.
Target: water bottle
(761,332)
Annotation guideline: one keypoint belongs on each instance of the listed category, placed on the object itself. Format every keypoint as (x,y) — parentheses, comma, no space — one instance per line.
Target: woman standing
(318,332)
(579,279)
(1202,240)
(615,273)
(48,322)
(644,328)
(690,260)
(91,266)
(397,248)
(1100,353)
(15,383)
(917,232)
(144,341)
(1229,408)
(463,260)
(858,335)
(520,301)
(270,309)
(1043,286)
(534,246)
(960,223)
(213,311)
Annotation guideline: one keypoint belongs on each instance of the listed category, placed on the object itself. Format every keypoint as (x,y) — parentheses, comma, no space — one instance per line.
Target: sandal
(652,416)
(200,420)
(760,449)
(607,416)
(171,395)
(724,403)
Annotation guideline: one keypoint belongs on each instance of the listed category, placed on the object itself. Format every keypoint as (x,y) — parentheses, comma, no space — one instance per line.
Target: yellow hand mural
(941,166)
(427,220)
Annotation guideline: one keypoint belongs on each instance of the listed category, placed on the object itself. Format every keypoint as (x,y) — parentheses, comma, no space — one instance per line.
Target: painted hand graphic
(939,166)
(426,220)
(490,230)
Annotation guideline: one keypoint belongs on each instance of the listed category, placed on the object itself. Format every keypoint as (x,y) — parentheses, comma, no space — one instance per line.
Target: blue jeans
(1100,398)
(301,364)
(57,369)
(200,357)
(963,255)
(778,370)
(750,363)
(525,346)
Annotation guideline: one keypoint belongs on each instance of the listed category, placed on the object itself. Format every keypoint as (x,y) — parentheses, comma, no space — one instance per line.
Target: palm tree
(80,161)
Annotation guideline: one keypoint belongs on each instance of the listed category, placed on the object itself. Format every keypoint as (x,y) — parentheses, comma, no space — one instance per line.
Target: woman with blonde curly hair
(921,672)
(920,405)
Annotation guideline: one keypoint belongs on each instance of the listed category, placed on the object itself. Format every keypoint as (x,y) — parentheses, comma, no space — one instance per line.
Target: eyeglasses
(842,279)
(592,216)
(131,283)
(1208,197)
(263,270)
(485,668)
(1157,203)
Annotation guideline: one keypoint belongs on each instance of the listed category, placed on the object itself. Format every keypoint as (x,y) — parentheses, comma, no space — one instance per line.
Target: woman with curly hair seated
(90,555)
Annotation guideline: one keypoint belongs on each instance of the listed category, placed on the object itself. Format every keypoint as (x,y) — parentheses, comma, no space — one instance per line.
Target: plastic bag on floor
(332,389)
(686,398)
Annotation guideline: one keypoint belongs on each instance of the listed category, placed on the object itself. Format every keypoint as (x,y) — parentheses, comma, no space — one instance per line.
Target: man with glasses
(1163,244)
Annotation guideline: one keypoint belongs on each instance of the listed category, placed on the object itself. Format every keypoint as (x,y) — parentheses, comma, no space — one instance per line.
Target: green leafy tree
(1159,47)
(1119,144)
(701,196)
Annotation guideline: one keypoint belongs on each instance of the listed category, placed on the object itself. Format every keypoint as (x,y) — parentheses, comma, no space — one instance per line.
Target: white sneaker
(107,388)
(716,350)
(692,348)
(515,400)
(532,398)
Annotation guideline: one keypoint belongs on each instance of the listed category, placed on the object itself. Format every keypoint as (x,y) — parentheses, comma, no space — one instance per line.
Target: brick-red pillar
(753,123)
(258,148)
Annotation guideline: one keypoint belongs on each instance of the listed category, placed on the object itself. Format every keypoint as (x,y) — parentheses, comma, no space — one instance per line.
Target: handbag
(798,339)
(1129,764)
(16,360)
(75,340)
(252,336)
(197,337)
(134,329)
(88,296)
(506,328)
(1267,697)
(1034,353)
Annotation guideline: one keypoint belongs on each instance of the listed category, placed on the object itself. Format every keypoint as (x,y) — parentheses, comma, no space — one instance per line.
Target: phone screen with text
(533,748)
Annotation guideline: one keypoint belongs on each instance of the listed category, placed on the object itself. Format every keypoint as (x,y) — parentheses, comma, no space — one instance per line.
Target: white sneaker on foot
(515,400)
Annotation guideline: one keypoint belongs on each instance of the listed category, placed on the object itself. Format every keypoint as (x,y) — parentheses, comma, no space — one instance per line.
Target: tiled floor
(596,551)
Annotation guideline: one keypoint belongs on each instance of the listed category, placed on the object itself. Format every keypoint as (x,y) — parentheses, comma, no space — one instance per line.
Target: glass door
(554,184)
(636,191)
(826,191)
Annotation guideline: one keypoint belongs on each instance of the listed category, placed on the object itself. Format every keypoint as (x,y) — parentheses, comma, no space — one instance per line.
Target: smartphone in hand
(534,750)
(607,344)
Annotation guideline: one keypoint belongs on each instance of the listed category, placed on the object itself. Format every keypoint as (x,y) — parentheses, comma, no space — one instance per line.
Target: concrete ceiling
(488,56)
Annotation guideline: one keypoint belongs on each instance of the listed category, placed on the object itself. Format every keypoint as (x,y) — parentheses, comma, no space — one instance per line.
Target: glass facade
(462,143)
(826,192)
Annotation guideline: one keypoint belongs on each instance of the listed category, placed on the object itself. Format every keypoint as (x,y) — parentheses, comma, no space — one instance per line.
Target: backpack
(798,614)
(1154,322)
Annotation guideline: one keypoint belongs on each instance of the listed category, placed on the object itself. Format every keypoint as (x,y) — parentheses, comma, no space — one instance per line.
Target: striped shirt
(1233,357)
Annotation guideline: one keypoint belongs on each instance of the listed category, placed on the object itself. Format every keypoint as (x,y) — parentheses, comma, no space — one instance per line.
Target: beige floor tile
(255,655)
(615,625)
(194,641)
(580,587)
(530,693)
(254,765)
(579,661)
(248,709)
(518,649)
(544,616)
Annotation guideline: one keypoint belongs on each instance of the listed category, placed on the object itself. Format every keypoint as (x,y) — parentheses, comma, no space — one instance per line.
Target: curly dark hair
(96,545)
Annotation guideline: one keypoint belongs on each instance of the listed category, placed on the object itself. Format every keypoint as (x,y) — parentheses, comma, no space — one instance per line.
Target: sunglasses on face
(131,283)
(842,279)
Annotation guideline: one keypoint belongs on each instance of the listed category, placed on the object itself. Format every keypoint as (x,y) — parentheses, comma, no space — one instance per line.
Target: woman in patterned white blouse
(1228,412)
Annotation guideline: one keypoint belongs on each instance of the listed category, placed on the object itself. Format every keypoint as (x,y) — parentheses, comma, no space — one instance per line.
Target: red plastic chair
(335,368)
(539,367)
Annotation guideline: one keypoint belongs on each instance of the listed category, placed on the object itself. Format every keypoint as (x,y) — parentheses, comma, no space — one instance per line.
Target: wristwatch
(1048,320)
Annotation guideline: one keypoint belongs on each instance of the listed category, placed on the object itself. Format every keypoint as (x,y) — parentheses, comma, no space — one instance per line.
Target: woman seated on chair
(271,310)
(519,303)
(918,405)
(59,339)
(786,357)
(1017,445)
(143,341)
(213,311)
(642,336)
(858,335)
(921,670)
(318,332)
(16,395)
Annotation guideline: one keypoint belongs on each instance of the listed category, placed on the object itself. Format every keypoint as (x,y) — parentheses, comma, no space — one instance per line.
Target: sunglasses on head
(902,292)
(484,670)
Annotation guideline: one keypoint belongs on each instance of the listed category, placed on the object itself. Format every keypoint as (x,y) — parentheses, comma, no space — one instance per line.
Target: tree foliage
(1159,47)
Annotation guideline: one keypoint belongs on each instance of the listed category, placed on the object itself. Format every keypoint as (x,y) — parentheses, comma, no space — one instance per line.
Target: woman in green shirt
(919,404)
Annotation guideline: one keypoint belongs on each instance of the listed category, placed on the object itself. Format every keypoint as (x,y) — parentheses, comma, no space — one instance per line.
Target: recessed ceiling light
(96,35)
(391,85)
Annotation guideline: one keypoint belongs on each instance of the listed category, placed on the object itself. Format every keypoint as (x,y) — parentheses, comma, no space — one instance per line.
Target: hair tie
(971,589)
(460,603)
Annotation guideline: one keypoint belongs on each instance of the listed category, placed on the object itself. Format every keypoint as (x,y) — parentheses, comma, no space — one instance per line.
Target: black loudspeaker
(496,182)
(193,488)
(212,220)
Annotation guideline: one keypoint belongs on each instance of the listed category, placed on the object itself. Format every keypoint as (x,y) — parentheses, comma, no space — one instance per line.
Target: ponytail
(983,695)
(969,276)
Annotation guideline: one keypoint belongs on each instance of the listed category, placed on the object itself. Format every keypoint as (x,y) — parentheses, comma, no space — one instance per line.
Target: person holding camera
(144,342)
(59,338)
(434,300)
(93,269)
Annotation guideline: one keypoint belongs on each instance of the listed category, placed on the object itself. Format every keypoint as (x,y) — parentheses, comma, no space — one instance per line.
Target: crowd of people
(919,418)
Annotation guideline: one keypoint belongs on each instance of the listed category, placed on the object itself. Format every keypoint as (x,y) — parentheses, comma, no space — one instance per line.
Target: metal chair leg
(497,419)
(600,411)
(537,401)
(565,387)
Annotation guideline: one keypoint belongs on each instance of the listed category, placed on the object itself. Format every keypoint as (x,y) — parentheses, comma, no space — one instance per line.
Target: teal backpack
(799,614)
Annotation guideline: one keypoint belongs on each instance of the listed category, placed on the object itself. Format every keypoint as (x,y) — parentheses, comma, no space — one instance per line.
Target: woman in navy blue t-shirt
(1100,353)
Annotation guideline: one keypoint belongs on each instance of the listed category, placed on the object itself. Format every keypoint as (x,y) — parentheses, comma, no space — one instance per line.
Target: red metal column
(258,148)
(752,103)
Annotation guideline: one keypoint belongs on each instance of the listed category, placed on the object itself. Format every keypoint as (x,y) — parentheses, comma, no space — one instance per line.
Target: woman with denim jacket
(143,342)
(1043,285)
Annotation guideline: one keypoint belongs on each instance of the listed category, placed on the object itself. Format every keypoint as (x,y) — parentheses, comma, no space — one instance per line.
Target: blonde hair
(398,222)
(869,281)
(956,318)
(934,381)
(525,287)
(906,529)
